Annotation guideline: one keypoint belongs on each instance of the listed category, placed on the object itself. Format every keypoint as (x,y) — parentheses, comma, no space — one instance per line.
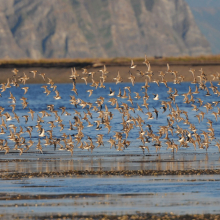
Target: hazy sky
(207,17)
(203,3)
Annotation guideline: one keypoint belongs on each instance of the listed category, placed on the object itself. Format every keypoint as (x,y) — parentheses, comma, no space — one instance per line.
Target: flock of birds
(123,104)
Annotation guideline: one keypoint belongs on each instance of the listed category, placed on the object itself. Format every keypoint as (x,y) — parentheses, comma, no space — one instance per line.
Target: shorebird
(5,147)
(132,64)
(157,82)
(23,79)
(42,75)
(149,70)
(104,71)
(164,82)
(46,90)
(156,97)
(171,145)
(118,78)
(137,96)
(85,71)
(132,78)
(26,118)
(143,148)
(38,146)
(150,116)
(85,79)
(32,113)
(216,115)
(94,84)
(156,112)
(90,92)
(24,102)
(140,73)
(175,92)
(15,71)
(145,104)
(57,95)
(12,97)
(25,89)
(74,89)
(34,73)
(194,108)
(145,60)
(168,69)
(111,93)
(112,143)
(92,74)
(124,96)
(102,84)
(130,99)
(73,75)
(139,108)
(217,144)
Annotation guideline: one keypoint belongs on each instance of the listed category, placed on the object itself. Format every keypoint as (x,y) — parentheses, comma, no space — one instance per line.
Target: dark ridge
(46,65)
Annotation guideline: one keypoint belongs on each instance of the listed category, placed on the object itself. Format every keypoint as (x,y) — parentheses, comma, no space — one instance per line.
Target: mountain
(207,17)
(98,28)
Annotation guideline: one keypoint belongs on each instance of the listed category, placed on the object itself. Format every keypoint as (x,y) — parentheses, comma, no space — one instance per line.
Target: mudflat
(98,186)
(60,72)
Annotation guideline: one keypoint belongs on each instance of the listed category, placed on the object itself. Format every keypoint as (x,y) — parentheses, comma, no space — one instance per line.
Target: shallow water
(96,162)
(115,195)
(38,101)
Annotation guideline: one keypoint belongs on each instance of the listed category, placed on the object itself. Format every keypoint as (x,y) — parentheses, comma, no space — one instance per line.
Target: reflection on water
(113,163)
(116,195)
(180,195)
(113,195)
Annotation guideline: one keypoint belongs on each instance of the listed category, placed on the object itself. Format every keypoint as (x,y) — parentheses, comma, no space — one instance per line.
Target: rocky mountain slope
(98,28)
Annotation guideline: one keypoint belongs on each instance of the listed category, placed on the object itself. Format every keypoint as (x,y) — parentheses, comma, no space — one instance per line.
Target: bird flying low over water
(86,119)
(156,97)
(132,64)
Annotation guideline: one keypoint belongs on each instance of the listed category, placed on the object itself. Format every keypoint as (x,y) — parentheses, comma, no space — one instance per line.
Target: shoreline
(158,216)
(93,64)
(60,73)
(126,173)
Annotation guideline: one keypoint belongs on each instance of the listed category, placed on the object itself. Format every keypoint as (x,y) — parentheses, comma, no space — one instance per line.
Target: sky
(207,17)
(203,3)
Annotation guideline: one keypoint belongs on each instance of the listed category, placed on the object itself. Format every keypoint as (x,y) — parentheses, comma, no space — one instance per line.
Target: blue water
(38,101)
(116,195)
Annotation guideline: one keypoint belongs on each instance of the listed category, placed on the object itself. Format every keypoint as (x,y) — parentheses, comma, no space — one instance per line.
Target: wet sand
(154,197)
(55,185)
(122,217)
(109,173)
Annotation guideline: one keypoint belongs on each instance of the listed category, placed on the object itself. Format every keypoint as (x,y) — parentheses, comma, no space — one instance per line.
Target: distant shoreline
(120,61)
(60,70)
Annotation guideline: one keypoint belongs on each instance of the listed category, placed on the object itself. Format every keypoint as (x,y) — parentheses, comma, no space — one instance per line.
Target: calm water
(38,101)
(115,195)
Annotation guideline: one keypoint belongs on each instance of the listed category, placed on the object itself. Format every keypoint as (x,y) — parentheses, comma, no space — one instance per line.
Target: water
(38,101)
(115,195)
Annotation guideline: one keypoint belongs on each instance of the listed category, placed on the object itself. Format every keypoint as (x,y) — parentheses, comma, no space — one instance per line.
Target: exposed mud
(60,73)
